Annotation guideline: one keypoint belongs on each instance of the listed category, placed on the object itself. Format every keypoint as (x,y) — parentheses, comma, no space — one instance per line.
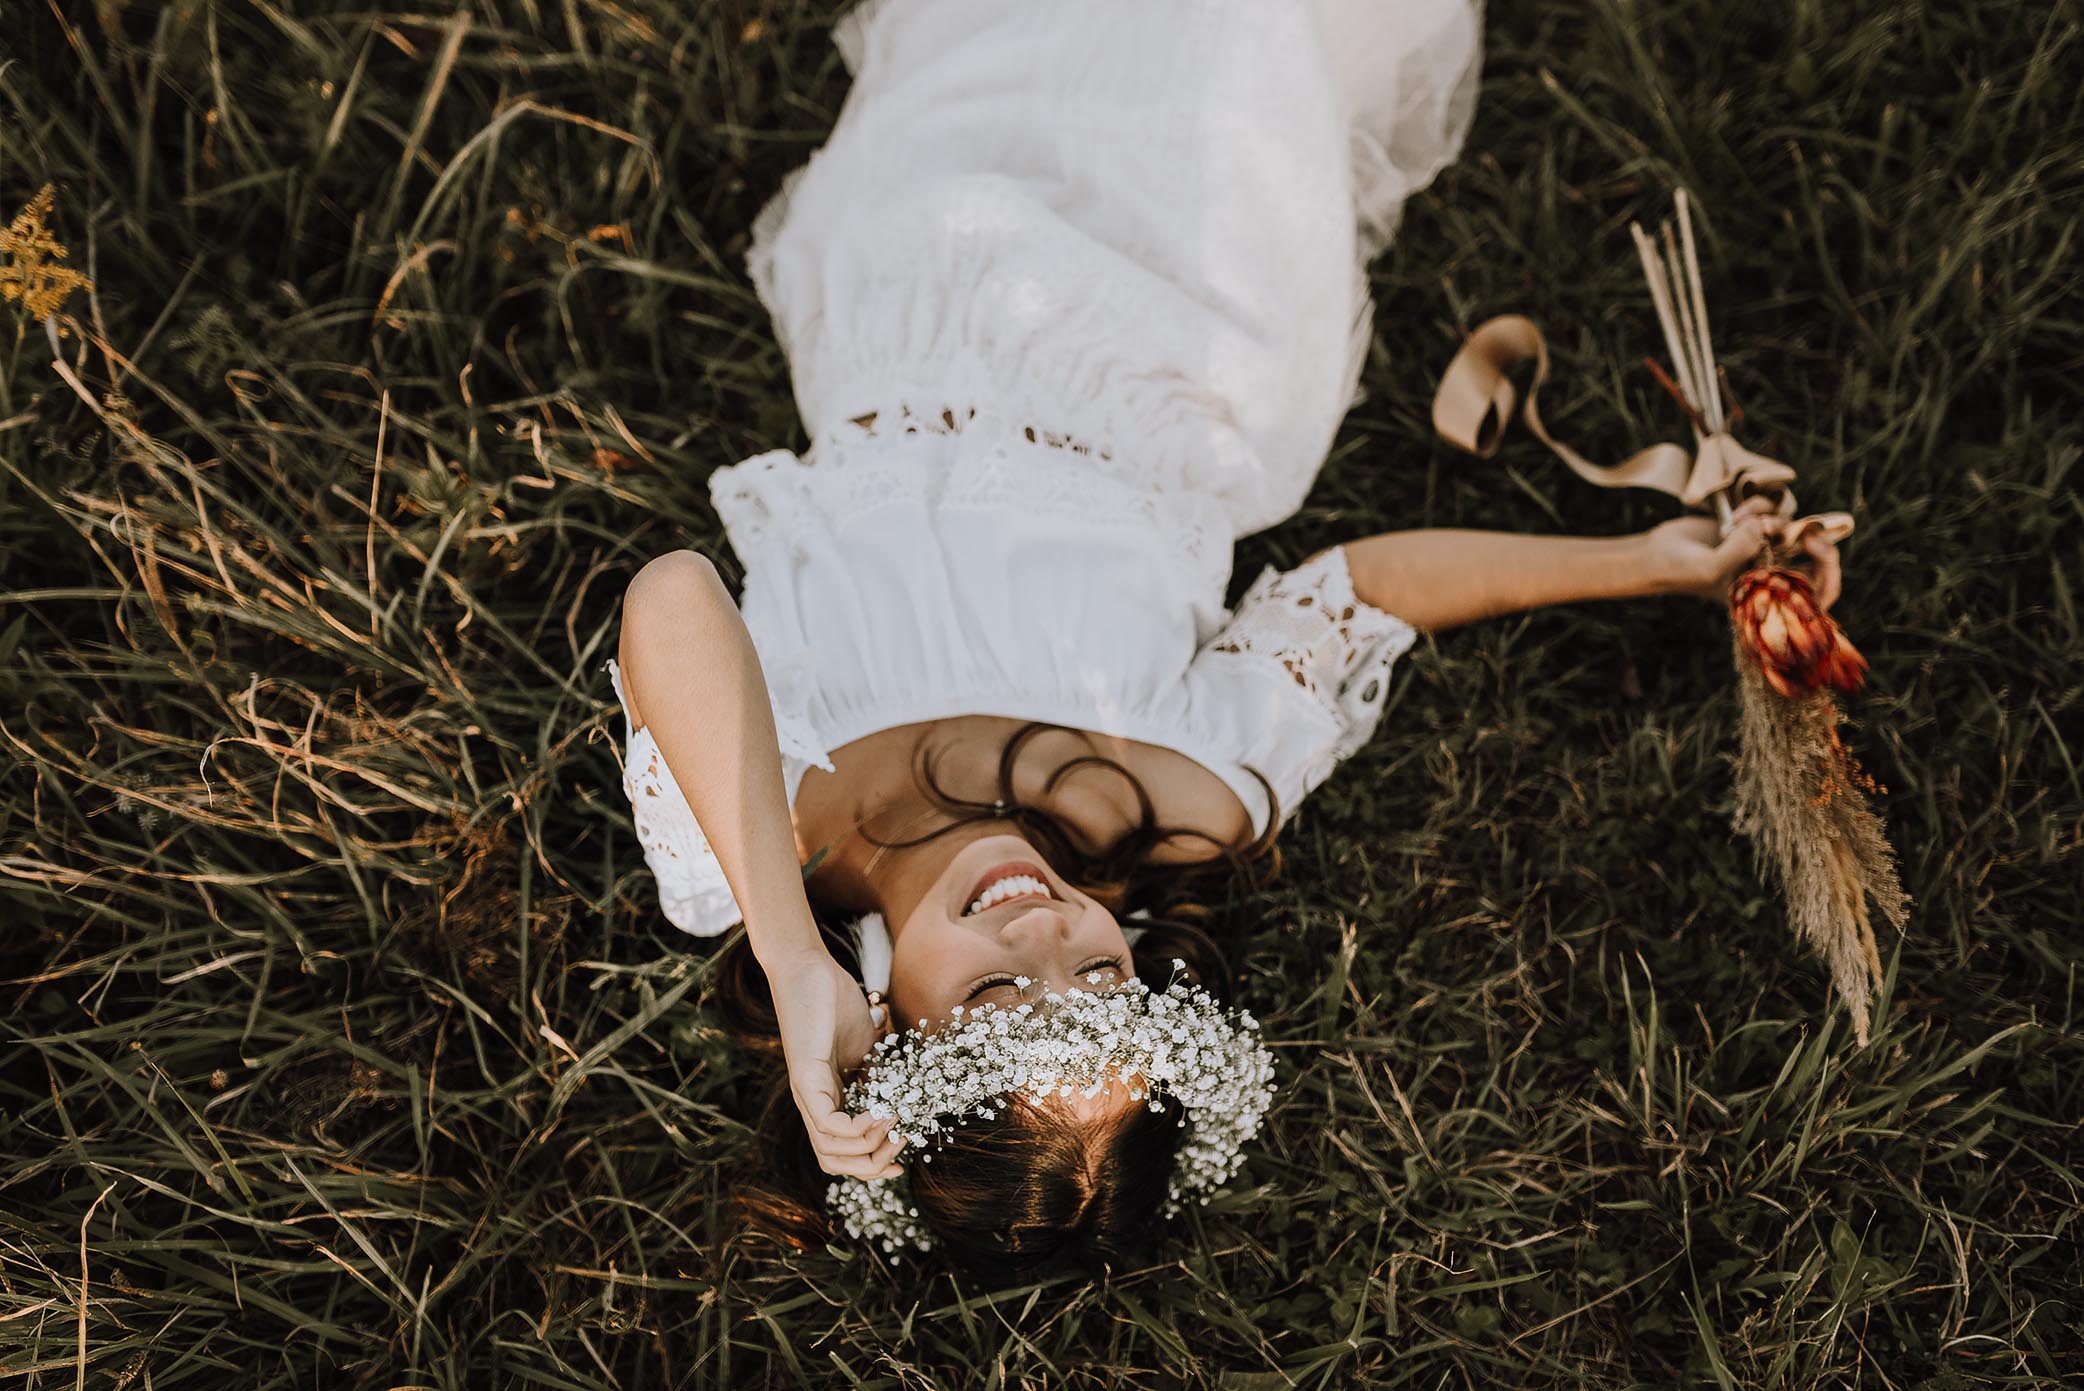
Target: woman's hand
(826,1025)
(1692,556)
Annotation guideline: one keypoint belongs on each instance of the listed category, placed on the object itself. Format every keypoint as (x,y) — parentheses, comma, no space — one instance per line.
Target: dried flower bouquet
(1800,794)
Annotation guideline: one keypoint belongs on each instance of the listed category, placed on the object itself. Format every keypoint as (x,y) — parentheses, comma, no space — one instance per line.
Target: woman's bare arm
(694,681)
(1442,578)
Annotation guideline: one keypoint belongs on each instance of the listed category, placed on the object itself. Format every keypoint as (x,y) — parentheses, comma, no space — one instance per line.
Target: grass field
(344,1045)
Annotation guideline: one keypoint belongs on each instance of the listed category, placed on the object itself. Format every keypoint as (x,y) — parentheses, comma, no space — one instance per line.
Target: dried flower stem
(1682,312)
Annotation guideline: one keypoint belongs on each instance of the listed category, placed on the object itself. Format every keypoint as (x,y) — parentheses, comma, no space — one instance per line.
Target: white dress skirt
(1073,297)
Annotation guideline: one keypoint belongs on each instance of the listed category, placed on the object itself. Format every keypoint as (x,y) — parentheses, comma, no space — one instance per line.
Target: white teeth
(1003,889)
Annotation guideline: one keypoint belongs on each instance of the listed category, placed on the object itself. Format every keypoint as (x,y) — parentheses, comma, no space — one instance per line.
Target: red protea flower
(1798,647)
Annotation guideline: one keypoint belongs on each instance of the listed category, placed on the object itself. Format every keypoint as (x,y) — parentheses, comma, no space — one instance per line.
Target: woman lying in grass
(1074,297)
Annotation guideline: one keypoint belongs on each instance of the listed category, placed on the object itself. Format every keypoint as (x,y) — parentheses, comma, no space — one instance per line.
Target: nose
(1039,922)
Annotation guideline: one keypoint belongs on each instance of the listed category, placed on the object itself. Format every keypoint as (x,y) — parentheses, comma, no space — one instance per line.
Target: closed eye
(1105,963)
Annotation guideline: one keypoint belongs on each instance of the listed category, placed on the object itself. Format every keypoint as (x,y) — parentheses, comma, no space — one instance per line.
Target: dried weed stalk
(1800,797)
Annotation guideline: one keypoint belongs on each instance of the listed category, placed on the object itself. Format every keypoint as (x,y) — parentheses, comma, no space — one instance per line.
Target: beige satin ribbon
(1474,403)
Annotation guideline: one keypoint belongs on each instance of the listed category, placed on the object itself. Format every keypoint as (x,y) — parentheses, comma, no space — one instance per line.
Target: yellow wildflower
(28,261)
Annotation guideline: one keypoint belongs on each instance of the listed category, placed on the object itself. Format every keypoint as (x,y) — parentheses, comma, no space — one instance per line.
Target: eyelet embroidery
(1337,651)
(943,422)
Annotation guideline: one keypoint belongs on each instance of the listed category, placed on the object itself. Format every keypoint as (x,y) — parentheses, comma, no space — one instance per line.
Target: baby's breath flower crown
(1178,1044)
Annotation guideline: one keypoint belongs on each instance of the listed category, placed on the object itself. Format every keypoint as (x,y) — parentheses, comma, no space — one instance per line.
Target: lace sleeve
(692,890)
(1305,629)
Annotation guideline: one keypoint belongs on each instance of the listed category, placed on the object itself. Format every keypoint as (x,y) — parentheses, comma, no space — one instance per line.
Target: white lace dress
(1073,297)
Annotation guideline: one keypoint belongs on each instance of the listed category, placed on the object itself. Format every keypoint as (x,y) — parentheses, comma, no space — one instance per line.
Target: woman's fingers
(817,1097)
(877,1161)
(848,1145)
(824,1113)
(859,1146)
(835,1134)
(1746,535)
(853,1144)
(1731,555)
(856,1165)
(849,1134)
(880,1163)
(868,1129)
(866,1144)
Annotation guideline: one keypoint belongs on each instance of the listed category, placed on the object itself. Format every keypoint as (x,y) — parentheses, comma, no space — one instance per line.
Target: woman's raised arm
(693,679)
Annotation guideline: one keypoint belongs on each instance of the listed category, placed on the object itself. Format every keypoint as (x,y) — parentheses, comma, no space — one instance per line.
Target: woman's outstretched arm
(694,680)
(1442,578)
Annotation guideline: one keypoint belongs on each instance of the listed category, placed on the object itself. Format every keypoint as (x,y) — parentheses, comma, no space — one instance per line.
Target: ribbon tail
(1832,526)
(1475,400)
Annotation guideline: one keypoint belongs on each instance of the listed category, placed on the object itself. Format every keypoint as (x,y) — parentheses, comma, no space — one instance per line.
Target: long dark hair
(1033,1189)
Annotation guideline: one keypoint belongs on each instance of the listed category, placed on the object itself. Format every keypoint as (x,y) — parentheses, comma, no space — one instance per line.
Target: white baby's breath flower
(1176,1043)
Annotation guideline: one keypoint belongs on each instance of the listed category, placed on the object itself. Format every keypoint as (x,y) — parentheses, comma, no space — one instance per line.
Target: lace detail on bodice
(981,460)
(1306,627)
(904,420)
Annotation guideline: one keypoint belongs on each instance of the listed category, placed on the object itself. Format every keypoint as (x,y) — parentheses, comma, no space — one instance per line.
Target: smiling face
(1035,925)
